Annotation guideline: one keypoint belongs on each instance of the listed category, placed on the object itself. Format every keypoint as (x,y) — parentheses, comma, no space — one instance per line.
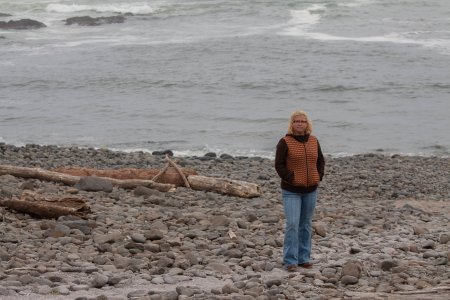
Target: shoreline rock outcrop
(90,21)
(21,24)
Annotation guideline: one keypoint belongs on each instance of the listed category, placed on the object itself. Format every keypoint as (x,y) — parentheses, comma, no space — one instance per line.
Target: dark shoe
(292,268)
(306,265)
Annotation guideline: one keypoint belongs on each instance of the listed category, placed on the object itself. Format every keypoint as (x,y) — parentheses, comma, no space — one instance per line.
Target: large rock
(352,268)
(21,24)
(90,21)
(219,220)
(99,281)
(145,191)
(320,229)
(387,265)
(111,237)
(444,238)
(347,280)
(94,184)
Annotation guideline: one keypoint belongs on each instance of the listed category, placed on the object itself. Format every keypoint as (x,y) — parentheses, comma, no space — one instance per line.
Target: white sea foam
(12,142)
(78,43)
(356,3)
(134,8)
(125,40)
(303,20)
(396,38)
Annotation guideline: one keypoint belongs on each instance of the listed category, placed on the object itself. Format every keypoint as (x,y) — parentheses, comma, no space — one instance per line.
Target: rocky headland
(381,231)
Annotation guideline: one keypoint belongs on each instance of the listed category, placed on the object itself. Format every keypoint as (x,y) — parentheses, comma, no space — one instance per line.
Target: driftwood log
(181,177)
(172,173)
(48,206)
(46,175)
(237,188)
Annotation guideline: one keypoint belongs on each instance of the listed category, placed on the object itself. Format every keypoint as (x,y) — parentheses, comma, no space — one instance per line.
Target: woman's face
(299,125)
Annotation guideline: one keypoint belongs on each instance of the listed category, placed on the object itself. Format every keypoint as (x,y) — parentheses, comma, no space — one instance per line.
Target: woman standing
(300,164)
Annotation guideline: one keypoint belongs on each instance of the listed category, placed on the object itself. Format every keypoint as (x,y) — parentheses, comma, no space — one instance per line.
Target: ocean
(196,76)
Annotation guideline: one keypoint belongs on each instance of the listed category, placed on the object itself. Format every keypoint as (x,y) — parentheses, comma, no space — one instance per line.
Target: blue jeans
(298,210)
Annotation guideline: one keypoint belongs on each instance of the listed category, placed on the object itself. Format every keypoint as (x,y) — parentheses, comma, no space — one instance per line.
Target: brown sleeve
(320,162)
(280,161)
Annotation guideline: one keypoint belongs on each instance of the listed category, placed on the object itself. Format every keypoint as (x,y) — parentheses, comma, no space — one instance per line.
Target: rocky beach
(381,231)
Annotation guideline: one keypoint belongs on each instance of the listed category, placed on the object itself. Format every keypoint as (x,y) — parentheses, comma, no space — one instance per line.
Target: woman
(300,164)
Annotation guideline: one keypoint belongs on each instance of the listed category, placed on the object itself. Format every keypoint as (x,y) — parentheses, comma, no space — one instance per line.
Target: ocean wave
(336,88)
(302,23)
(249,120)
(444,86)
(255,86)
(339,101)
(437,150)
(134,8)
(343,125)
(128,40)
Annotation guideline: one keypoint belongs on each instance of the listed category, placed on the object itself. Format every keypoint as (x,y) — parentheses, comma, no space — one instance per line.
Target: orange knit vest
(302,159)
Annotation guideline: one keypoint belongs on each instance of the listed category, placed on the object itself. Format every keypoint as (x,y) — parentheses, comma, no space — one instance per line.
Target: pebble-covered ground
(381,231)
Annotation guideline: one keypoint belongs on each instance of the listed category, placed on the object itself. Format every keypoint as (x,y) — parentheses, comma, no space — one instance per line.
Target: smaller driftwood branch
(437,290)
(186,182)
(163,170)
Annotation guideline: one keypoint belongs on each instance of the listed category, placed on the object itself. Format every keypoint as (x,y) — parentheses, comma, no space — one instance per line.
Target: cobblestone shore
(381,231)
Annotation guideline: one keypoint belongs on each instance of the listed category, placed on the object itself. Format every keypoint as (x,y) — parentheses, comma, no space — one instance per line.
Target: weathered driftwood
(48,206)
(202,183)
(169,174)
(72,179)
(224,186)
